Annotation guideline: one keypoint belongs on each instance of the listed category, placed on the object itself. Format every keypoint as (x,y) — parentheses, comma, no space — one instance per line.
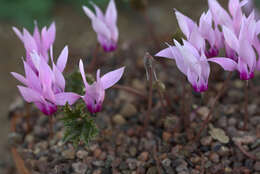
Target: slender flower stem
(94,61)
(150,97)
(161,100)
(150,28)
(208,118)
(245,127)
(51,126)
(28,116)
(131,90)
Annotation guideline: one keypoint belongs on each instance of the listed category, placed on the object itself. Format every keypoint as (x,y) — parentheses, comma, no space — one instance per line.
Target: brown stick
(208,118)
(156,160)
(246,117)
(247,154)
(150,97)
(131,90)
(93,62)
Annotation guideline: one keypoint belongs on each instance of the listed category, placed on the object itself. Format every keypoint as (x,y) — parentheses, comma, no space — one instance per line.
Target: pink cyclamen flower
(46,88)
(105,25)
(246,56)
(38,42)
(95,92)
(196,34)
(190,62)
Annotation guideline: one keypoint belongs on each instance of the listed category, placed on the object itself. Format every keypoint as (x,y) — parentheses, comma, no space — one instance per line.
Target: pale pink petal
(101,28)
(30,95)
(99,13)
(220,15)
(111,78)
(29,42)
(66,97)
(226,63)
(230,38)
(19,78)
(18,33)
(82,71)
(48,36)
(31,78)
(247,54)
(111,13)
(167,53)
(89,13)
(62,59)
(58,78)
(185,23)
(36,34)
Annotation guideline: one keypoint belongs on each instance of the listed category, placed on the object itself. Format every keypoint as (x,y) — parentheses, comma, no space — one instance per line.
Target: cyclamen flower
(105,25)
(196,34)
(45,89)
(38,42)
(190,62)
(95,92)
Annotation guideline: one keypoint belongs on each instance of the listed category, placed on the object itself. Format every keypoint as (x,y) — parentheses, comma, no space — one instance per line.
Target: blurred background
(74,29)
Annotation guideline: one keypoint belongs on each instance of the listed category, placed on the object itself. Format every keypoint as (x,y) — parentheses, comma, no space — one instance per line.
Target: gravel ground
(80,40)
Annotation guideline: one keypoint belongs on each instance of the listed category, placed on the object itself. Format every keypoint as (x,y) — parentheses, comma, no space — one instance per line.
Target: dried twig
(131,90)
(156,160)
(247,154)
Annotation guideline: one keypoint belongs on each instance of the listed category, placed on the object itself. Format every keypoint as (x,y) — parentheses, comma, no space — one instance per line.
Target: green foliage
(74,82)
(26,11)
(79,125)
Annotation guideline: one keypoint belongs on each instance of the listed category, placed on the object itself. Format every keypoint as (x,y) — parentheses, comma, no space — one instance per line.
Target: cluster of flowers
(218,29)
(44,85)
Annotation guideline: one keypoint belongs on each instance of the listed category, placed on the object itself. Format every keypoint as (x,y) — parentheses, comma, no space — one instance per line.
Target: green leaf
(79,125)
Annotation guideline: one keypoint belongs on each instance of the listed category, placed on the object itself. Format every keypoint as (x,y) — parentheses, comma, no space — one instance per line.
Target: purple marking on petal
(244,76)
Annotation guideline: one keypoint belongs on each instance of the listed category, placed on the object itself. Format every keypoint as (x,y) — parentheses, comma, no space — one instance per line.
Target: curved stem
(93,62)
(149,101)
(245,127)
(208,118)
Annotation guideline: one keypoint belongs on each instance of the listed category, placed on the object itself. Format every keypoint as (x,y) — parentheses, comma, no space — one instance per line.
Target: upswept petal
(166,53)
(19,77)
(30,95)
(220,15)
(31,78)
(18,33)
(101,28)
(231,38)
(82,71)
(111,13)
(226,63)
(89,13)
(62,59)
(247,54)
(48,36)
(64,97)
(111,78)
(185,23)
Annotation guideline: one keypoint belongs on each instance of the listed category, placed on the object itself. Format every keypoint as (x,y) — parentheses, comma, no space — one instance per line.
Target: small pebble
(79,167)
(81,154)
(166,162)
(143,156)
(214,157)
(68,154)
(206,141)
(128,110)
(119,119)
